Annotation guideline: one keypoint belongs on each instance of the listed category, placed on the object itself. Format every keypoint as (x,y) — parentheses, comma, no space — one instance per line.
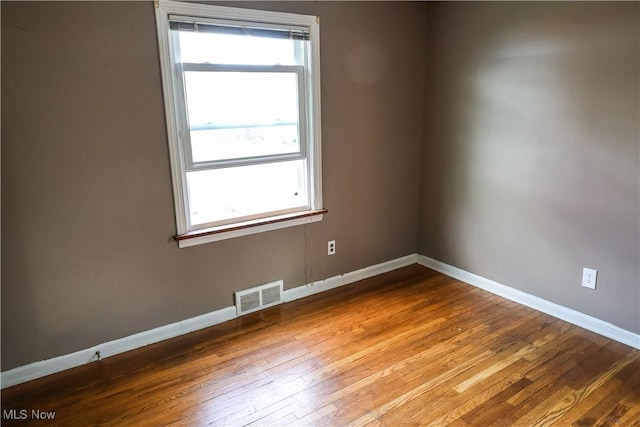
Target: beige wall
(531,158)
(87,212)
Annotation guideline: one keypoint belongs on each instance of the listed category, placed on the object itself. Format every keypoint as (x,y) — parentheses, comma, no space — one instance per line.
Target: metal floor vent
(263,296)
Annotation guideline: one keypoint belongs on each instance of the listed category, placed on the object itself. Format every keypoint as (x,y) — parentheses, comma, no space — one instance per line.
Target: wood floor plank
(628,407)
(423,388)
(540,410)
(509,382)
(608,409)
(503,362)
(409,347)
(562,408)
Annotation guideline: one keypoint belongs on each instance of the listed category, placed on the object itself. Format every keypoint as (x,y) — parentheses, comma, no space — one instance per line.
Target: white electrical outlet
(589,278)
(331,247)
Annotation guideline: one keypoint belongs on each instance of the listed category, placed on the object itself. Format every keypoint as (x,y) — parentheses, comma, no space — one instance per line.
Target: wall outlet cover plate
(589,278)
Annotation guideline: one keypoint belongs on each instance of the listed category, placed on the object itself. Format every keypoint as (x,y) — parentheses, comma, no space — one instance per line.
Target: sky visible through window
(242,114)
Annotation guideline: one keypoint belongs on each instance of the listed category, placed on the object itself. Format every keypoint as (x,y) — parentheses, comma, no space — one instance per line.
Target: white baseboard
(344,279)
(61,363)
(568,315)
(43,368)
(57,364)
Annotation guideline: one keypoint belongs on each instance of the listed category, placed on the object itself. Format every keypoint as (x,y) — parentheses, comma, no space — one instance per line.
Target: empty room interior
(431,213)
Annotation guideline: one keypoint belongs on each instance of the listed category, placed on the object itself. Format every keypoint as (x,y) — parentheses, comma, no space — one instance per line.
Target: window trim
(244,228)
(168,9)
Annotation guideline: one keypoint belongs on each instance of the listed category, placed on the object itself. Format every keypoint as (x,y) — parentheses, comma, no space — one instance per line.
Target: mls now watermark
(25,414)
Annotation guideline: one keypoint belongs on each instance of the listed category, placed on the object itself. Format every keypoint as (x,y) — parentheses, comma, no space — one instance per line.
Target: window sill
(214,234)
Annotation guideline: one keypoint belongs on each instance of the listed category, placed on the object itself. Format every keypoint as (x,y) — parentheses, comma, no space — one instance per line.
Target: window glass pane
(228,193)
(231,49)
(242,114)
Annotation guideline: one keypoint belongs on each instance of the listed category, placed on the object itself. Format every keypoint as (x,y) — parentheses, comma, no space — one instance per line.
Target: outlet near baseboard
(589,278)
(331,247)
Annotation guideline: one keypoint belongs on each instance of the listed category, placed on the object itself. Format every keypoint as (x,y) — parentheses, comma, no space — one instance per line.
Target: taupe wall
(531,157)
(87,212)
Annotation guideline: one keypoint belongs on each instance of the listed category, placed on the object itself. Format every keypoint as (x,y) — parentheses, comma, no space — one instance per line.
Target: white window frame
(310,144)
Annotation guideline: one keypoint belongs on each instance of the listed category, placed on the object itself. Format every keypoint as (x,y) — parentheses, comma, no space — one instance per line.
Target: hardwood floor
(410,347)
